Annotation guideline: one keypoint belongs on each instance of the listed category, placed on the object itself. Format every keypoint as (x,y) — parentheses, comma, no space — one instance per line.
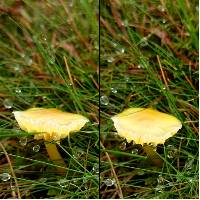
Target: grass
(149,58)
(49,58)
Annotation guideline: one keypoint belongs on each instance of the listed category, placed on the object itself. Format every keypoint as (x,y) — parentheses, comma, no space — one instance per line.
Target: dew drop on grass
(161,8)
(135,151)
(8,103)
(125,23)
(189,164)
(159,188)
(164,21)
(23,141)
(126,78)
(172,151)
(143,42)
(29,61)
(36,148)
(113,90)
(16,130)
(190,180)
(62,182)
(18,91)
(110,60)
(22,55)
(5,176)
(13,188)
(109,182)
(171,184)
(104,100)
(140,173)
(43,180)
(17,68)
(120,51)
(95,168)
(114,44)
(160,179)
(122,146)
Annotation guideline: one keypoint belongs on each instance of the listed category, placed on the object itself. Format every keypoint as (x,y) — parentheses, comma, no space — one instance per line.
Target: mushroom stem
(55,156)
(153,156)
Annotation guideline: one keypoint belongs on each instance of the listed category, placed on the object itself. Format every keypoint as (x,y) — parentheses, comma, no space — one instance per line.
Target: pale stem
(55,156)
(153,156)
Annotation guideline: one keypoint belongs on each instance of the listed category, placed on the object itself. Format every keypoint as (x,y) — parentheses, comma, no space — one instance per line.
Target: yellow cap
(50,124)
(146,125)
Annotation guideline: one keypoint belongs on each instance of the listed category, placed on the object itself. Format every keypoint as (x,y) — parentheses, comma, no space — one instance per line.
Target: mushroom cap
(49,123)
(146,125)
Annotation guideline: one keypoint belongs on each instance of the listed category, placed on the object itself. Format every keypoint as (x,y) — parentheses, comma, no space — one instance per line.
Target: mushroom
(50,124)
(146,125)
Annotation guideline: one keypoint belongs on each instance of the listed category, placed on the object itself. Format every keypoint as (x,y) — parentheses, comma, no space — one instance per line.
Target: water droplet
(5,176)
(29,61)
(161,8)
(159,188)
(135,151)
(85,179)
(125,23)
(122,146)
(109,182)
(44,98)
(110,60)
(140,173)
(62,182)
(164,88)
(160,179)
(12,187)
(189,164)
(43,180)
(8,103)
(95,168)
(16,130)
(172,151)
(171,184)
(96,45)
(114,44)
(126,78)
(113,90)
(36,148)
(18,91)
(17,68)
(51,60)
(164,21)
(140,66)
(104,100)
(23,141)
(120,51)
(144,42)
(190,180)
(71,4)
(22,55)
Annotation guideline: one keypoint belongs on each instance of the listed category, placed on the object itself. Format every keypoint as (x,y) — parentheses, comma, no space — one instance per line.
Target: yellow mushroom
(146,125)
(51,125)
